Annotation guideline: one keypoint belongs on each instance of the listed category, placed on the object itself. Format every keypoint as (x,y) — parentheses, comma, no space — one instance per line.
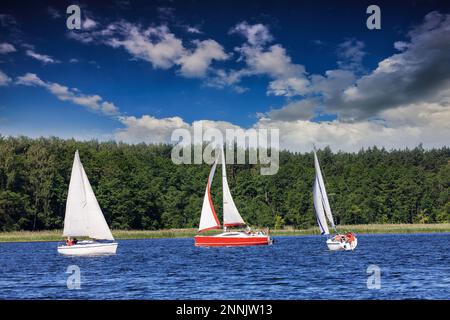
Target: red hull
(214,241)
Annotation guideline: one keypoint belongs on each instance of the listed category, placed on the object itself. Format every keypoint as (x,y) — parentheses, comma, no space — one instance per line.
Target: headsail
(322,192)
(231,216)
(83,214)
(208,218)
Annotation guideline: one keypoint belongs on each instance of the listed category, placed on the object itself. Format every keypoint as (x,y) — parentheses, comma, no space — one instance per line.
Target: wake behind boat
(323,212)
(84,218)
(231,218)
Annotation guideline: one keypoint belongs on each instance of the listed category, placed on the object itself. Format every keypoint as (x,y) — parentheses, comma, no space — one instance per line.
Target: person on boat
(350,237)
(75,240)
(69,242)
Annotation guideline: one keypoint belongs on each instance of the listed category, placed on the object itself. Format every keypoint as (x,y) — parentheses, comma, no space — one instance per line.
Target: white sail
(83,214)
(231,216)
(208,218)
(323,192)
(318,205)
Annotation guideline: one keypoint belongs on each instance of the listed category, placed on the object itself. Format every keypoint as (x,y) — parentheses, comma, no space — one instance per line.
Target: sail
(231,216)
(323,192)
(83,214)
(208,218)
(318,205)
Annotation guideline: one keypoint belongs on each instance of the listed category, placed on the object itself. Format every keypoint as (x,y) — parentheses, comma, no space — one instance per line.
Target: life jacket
(350,237)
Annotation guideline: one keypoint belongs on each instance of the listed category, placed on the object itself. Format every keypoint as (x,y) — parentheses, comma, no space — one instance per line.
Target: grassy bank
(55,235)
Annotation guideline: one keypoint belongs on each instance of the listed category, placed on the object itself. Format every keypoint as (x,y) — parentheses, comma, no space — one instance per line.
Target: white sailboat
(231,218)
(323,213)
(84,218)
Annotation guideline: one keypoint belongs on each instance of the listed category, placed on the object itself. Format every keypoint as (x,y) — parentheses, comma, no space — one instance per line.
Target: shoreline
(56,235)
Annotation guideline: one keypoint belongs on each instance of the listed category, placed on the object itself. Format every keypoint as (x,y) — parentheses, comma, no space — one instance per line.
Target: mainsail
(83,214)
(231,216)
(208,218)
(321,203)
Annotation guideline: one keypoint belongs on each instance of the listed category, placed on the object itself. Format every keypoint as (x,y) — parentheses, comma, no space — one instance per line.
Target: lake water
(412,267)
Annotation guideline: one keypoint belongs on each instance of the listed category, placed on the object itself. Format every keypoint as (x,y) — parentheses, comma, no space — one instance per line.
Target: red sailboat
(231,218)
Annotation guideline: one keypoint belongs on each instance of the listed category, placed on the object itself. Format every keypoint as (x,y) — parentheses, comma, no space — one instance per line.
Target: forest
(139,187)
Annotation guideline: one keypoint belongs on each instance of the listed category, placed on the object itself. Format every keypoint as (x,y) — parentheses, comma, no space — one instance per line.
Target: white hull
(337,245)
(89,249)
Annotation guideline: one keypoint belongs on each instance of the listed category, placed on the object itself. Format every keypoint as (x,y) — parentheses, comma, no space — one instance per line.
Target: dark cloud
(419,73)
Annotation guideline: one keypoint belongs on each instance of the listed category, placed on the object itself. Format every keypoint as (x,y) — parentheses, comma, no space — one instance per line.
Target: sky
(138,70)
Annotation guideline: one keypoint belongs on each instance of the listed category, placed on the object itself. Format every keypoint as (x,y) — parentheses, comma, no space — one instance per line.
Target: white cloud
(289,87)
(148,129)
(89,23)
(41,57)
(157,45)
(194,30)
(6,48)
(256,35)
(196,63)
(91,102)
(30,79)
(430,126)
(4,79)
(272,61)
(351,53)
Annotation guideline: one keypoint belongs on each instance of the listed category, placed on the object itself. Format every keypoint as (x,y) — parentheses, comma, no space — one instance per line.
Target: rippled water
(412,267)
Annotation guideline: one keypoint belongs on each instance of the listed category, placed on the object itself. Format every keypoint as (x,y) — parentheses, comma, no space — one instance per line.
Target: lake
(413,266)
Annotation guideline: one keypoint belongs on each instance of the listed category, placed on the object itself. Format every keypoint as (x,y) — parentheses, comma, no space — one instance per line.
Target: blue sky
(245,64)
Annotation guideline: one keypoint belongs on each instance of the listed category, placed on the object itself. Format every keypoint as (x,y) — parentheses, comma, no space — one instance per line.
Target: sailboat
(84,218)
(231,218)
(323,213)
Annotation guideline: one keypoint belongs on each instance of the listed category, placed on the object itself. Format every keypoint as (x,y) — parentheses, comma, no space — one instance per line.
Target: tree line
(139,187)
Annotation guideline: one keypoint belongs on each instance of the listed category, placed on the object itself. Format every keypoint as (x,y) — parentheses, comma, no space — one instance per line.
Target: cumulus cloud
(419,73)
(256,34)
(303,109)
(89,23)
(260,59)
(196,63)
(148,129)
(158,46)
(351,53)
(91,102)
(195,30)
(4,79)
(6,48)
(429,125)
(41,57)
